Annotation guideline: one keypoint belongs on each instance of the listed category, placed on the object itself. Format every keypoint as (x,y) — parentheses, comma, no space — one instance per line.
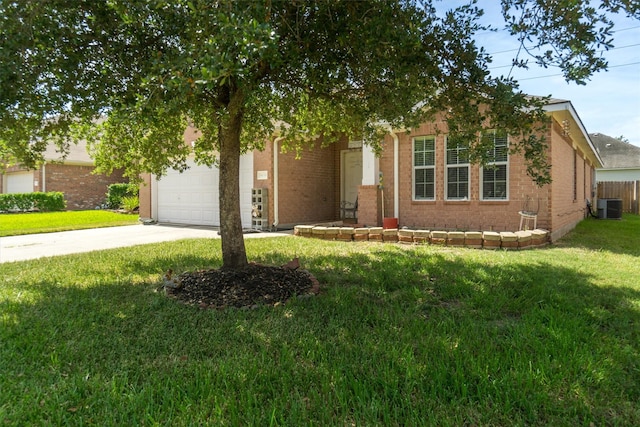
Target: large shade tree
(131,75)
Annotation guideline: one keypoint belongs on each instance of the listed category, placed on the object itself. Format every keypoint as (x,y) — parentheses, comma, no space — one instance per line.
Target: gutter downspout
(276,215)
(44,177)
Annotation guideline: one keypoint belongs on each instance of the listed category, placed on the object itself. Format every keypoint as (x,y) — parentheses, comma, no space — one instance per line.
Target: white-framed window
(457,170)
(424,168)
(494,177)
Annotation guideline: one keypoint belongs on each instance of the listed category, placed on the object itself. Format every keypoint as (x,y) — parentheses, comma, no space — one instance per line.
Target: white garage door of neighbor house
(191,197)
(19,182)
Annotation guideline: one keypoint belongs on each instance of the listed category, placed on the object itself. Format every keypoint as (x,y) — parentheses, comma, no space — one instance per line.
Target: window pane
(430,191)
(424,151)
(456,152)
(458,182)
(501,154)
(430,175)
(452,175)
(451,157)
(424,167)
(463,190)
(494,182)
(452,190)
(498,144)
(463,156)
(430,158)
(487,190)
(463,174)
(430,144)
(494,176)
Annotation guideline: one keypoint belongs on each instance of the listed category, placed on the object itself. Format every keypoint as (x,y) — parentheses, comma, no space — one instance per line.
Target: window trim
(575,175)
(447,166)
(500,163)
(414,168)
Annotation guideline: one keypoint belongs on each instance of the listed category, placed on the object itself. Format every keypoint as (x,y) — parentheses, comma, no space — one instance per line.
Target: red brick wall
(568,208)
(82,189)
(308,186)
(369,212)
(442,214)
(144,197)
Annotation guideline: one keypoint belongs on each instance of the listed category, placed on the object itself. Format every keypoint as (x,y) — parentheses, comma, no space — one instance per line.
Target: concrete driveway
(33,246)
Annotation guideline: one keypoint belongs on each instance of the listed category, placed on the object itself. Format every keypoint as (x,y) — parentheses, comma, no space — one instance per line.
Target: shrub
(118,191)
(49,202)
(44,202)
(130,203)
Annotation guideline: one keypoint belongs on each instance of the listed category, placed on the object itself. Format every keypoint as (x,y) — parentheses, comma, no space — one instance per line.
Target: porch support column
(370,166)
(368,192)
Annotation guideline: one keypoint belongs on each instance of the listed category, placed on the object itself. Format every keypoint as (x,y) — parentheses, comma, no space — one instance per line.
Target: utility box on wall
(259,209)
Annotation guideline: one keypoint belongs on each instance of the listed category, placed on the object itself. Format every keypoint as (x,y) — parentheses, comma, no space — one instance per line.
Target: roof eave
(564,105)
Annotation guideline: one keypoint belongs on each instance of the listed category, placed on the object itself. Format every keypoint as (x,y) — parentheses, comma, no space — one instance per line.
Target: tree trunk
(234,254)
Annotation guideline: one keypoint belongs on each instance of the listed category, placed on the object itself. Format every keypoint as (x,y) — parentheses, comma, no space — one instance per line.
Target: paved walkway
(33,246)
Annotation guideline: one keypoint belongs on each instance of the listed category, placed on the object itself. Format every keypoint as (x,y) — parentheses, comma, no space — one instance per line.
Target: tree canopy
(130,75)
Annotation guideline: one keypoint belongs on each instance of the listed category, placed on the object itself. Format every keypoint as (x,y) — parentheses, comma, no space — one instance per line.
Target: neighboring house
(72,176)
(421,188)
(621,159)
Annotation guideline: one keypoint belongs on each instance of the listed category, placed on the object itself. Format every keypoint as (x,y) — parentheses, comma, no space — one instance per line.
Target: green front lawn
(47,222)
(401,335)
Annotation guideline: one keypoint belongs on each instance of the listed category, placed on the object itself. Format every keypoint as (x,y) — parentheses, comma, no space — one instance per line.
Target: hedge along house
(72,175)
(280,189)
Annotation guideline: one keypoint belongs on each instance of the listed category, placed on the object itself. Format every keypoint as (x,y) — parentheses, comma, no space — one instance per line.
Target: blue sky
(609,103)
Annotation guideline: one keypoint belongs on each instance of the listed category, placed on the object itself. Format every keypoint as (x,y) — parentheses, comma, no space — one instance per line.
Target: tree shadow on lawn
(527,341)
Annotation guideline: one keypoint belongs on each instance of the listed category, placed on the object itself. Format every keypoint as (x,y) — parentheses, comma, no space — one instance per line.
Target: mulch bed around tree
(250,287)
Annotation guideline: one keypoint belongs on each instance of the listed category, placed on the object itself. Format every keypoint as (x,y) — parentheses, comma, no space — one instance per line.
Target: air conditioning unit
(610,208)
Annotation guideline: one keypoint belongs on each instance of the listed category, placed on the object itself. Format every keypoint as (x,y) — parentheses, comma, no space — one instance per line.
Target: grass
(401,335)
(47,222)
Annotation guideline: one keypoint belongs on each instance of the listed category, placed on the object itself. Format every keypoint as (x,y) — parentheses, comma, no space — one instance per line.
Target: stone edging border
(470,239)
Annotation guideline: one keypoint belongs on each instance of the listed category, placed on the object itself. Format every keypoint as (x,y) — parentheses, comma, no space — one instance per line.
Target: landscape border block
(375,234)
(455,238)
(491,240)
(421,236)
(509,240)
(473,239)
(524,238)
(405,236)
(390,235)
(439,237)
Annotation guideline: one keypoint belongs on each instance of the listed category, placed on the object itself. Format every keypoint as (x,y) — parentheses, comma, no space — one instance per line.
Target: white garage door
(191,197)
(19,182)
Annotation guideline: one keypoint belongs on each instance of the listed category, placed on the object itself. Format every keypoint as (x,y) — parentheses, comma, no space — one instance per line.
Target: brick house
(433,194)
(621,159)
(72,176)
(454,195)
